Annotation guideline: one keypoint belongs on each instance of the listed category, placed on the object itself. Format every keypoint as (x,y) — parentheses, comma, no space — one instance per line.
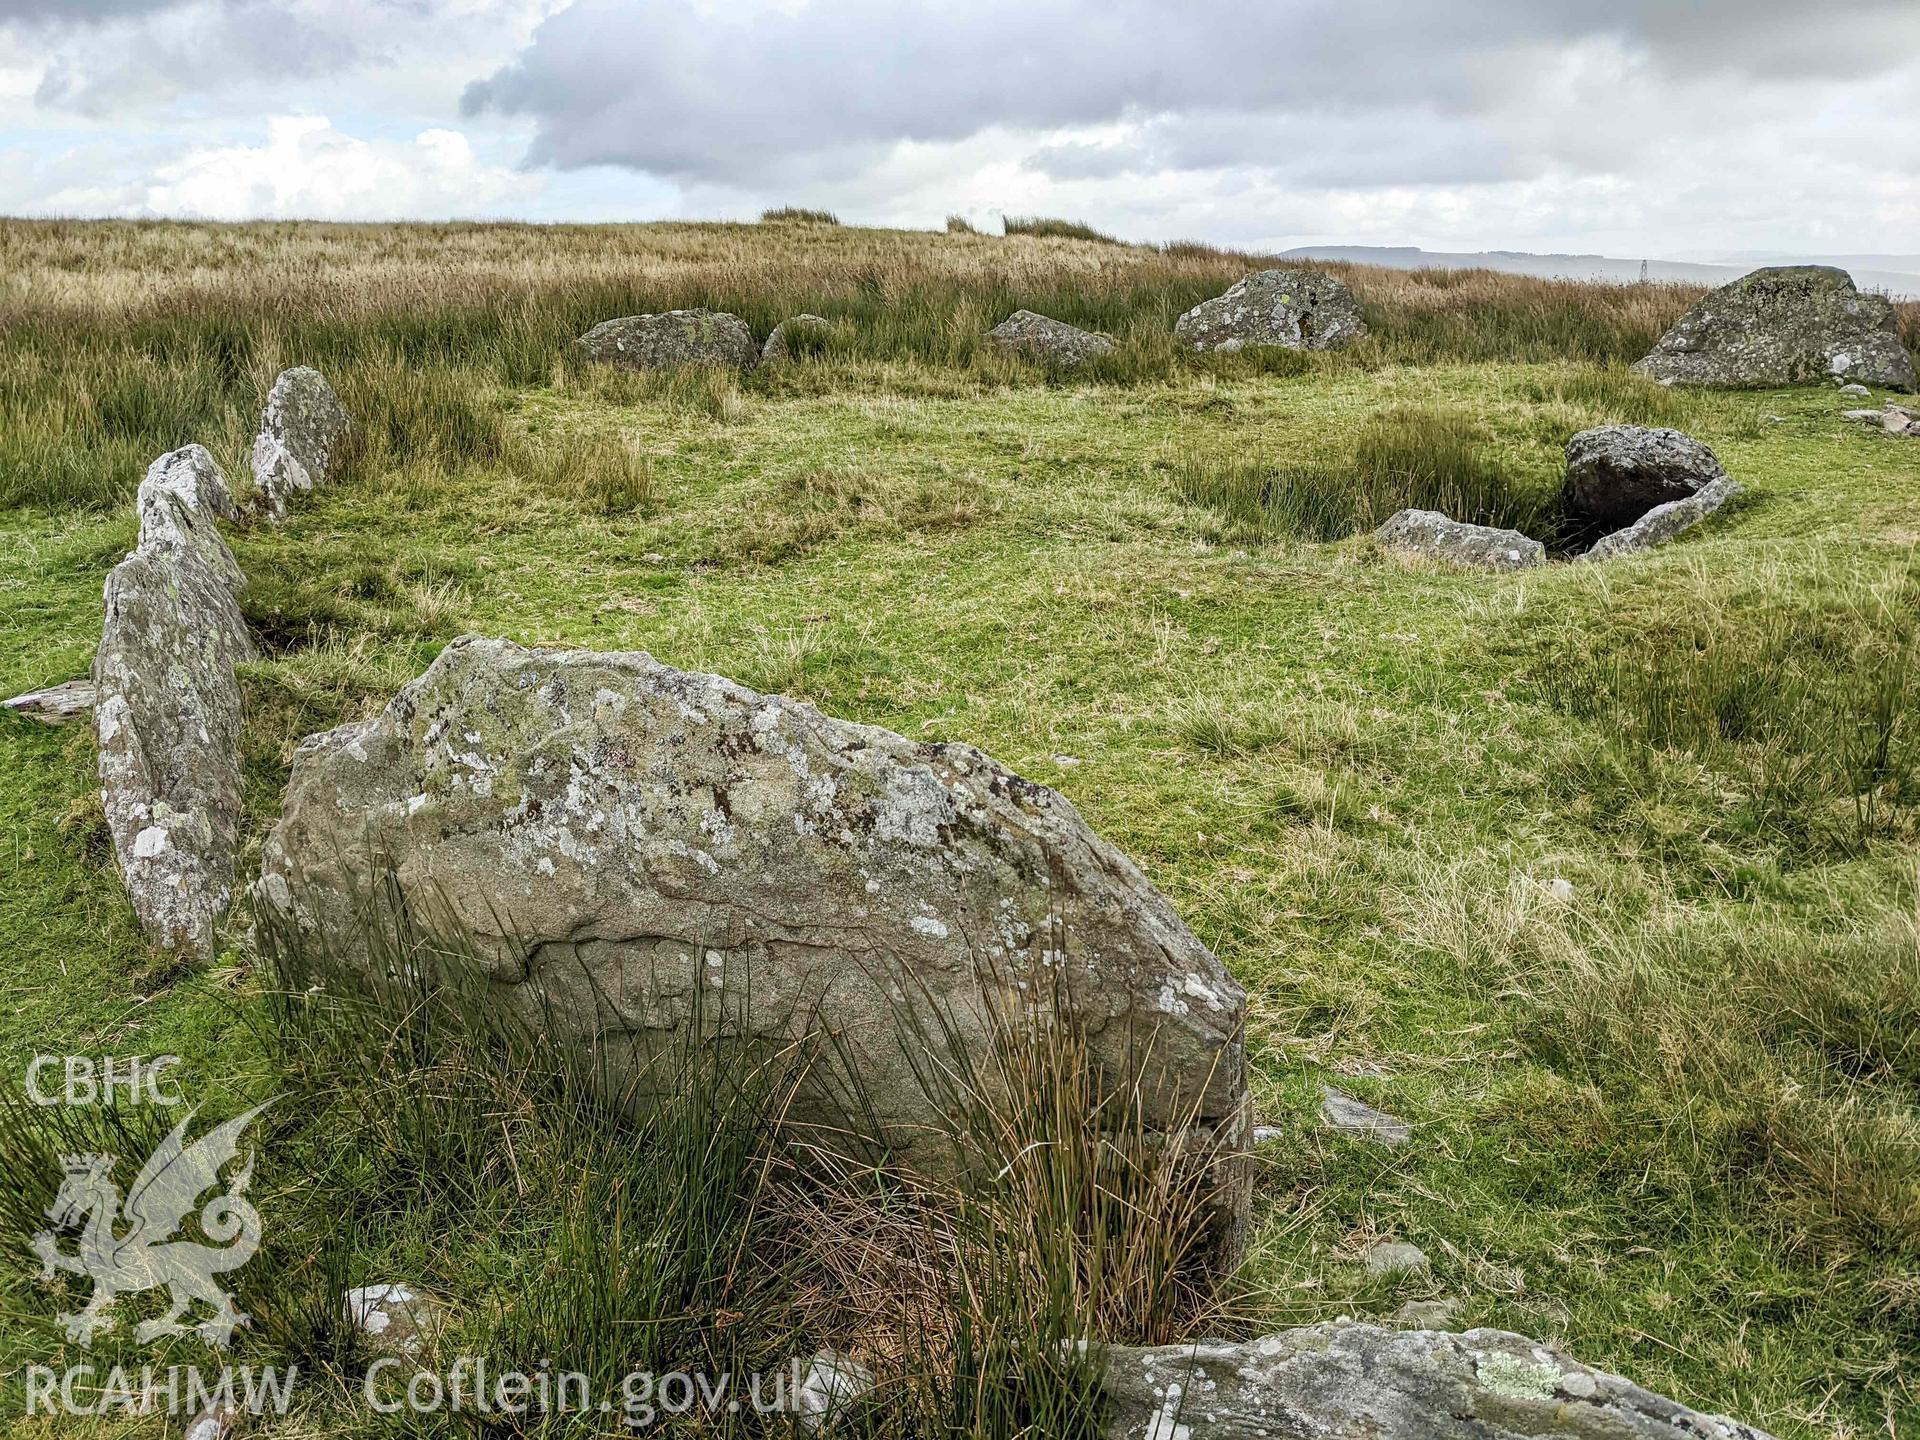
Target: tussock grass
(1406,458)
(1049,227)
(1804,705)
(798,215)
(960,225)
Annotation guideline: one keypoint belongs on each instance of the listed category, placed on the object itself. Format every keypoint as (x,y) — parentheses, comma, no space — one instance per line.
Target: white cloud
(306,169)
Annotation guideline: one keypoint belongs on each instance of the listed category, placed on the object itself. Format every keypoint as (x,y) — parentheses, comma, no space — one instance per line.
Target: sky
(1678,129)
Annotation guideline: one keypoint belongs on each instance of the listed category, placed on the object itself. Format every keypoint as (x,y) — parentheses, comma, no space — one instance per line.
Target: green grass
(1668,1123)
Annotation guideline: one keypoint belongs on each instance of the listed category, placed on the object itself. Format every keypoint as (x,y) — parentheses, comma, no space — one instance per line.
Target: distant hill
(1898,275)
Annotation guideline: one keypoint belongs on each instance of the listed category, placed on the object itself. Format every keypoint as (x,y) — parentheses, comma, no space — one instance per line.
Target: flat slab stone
(1664,522)
(168,712)
(1345,1381)
(56,705)
(1428,532)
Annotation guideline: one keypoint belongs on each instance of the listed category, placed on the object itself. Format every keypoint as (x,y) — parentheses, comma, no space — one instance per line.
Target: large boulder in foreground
(1484,547)
(167,714)
(1051,343)
(1791,325)
(300,438)
(1294,309)
(1617,473)
(616,835)
(1344,1381)
(672,340)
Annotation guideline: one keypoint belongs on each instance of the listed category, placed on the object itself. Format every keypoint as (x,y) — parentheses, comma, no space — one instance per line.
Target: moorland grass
(1663,1117)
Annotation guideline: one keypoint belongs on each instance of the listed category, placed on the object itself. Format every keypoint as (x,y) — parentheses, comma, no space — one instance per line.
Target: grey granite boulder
(300,438)
(1791,325)
(608,835)
(1344,1381)
(1294,309)
(1663,522)
(57,704)
(1428,532)
(674,339)
(1053,344)
(778,346)
(167,715)
(1617,473)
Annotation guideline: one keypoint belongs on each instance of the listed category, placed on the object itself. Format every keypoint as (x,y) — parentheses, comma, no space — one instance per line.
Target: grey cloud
(737,96)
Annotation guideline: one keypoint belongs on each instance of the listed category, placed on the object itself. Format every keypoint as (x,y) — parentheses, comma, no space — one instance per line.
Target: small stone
(395,1318)
(833,1383)
(1560,890)
(1351,1117)
(1395,1257)
(57,705)
(1860,391)
(217,1422)
(1263,1134)
(1428,1314)
(1865,417)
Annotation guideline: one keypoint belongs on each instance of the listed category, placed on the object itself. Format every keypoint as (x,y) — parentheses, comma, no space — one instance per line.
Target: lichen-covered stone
(1293,309)
(1428,532)
(1791,325)
(1345,1381)
(57,704)
(615,836)
(300,438)
(671,340)
(1047,342)
(789,333)
(167,715)
(1617,473)
(1664,522)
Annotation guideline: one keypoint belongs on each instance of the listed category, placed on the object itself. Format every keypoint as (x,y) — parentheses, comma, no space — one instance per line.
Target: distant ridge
(1870,272)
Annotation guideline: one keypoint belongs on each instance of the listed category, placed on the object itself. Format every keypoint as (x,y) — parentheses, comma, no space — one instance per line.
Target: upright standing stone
(168,710)
(300,438)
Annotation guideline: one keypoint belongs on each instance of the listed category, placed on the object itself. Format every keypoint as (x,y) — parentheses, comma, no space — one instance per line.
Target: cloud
(306,169)
(739,94)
